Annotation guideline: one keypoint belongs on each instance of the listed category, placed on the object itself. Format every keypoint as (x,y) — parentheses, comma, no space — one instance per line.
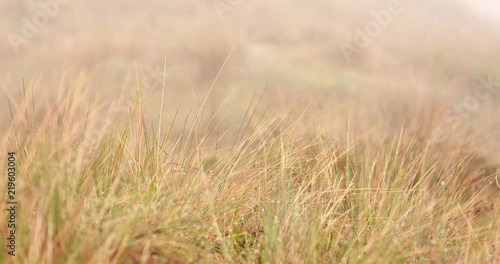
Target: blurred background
(371,65)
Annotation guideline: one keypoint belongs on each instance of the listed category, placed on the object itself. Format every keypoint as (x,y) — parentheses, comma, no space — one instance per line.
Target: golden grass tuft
(283,192)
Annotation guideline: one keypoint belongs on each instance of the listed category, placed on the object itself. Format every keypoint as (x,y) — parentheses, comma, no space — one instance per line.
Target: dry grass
(283,192)
(285,154)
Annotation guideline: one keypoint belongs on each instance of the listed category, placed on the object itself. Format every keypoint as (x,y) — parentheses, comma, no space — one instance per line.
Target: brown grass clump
(282,192)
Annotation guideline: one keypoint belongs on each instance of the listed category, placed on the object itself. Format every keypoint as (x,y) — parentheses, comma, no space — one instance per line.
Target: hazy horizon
(235,131)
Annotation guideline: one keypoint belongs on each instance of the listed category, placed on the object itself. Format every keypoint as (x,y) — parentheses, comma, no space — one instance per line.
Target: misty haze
(225,131)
